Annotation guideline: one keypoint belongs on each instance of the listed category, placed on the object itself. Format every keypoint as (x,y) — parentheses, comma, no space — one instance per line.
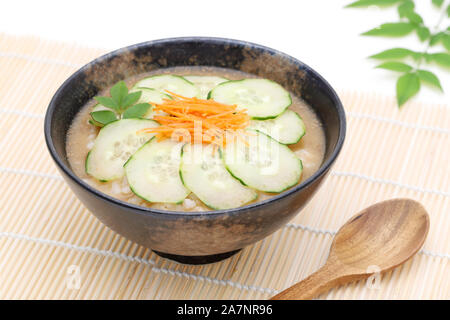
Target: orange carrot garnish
(206,119)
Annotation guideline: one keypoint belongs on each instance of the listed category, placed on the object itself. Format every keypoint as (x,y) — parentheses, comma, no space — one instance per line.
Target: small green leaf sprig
(122,104)
(409,82)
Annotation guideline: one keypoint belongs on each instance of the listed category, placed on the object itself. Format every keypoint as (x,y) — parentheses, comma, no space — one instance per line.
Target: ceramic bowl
(195,237)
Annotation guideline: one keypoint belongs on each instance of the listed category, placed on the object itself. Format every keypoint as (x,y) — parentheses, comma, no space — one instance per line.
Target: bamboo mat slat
(47,236)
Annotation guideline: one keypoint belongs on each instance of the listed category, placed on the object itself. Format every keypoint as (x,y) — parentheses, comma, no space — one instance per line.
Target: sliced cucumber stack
(203,172)
(151,96)
(115,143)
(287,128)
(263,99)
(262,163)
(153,172)
(173,83)
(205,84)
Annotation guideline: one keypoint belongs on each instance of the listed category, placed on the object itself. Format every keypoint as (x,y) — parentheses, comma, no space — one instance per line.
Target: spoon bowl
(384,235)
(378,239)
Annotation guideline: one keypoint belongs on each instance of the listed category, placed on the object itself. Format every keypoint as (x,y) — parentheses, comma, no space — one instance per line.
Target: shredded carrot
(207,120)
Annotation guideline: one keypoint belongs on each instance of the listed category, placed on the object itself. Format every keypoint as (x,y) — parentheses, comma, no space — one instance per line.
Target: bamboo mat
(51,247)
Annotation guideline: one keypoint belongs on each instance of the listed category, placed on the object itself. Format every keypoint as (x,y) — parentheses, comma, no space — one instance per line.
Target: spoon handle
(322,280)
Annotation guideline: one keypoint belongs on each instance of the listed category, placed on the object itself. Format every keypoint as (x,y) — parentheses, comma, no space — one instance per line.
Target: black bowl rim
(204,214)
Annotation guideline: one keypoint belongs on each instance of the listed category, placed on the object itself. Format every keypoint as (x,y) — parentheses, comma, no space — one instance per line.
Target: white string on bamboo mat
(391,182)
(22,113)
(27,57)
(358,115)
(151,263)
(289,225)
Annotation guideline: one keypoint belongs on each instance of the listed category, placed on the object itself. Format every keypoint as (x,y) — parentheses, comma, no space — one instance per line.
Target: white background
(321,33)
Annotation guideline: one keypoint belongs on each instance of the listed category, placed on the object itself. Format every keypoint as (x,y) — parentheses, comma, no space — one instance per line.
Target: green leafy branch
(122,104)
(409,82)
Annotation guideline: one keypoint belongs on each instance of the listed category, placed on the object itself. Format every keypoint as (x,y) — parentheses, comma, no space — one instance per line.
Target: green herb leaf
(442,59)
(104,117)
(396,53)
(107,102)
(119,91)
(94,123)
(423,33)
(120,99)
(396,29)
(429,77)
(437,3)
(407,86)
(413,17)
(405,7)
(131,99)
(395,66)
(436,38)
(446,41)
(136,111)
(366,3)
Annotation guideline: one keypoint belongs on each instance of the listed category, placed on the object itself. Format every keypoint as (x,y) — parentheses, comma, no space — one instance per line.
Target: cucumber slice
(205,83)
(287,128)
(203,172)
(264,164)
(263,99)
(115,143)
(176,84)
(153,172)
(151,96)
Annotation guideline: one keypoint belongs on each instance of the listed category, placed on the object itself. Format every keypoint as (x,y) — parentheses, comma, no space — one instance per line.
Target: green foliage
(405,7)
(395,66)
(396,53)
(423,33)
(136,111)
(441,58)
(437,3)
(131,99)
(366,3)
(398,29)
(122,104)
(101,118)
(446,42)
(407,86)
(107,102)
(119,92)
(414,17)
(409,82)
(429,77)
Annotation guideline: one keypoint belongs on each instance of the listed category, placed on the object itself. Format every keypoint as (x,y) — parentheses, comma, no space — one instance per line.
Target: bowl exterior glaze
(201,233)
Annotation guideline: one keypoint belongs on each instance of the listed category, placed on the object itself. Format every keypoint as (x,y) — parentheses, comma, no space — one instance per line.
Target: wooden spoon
(378,239)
